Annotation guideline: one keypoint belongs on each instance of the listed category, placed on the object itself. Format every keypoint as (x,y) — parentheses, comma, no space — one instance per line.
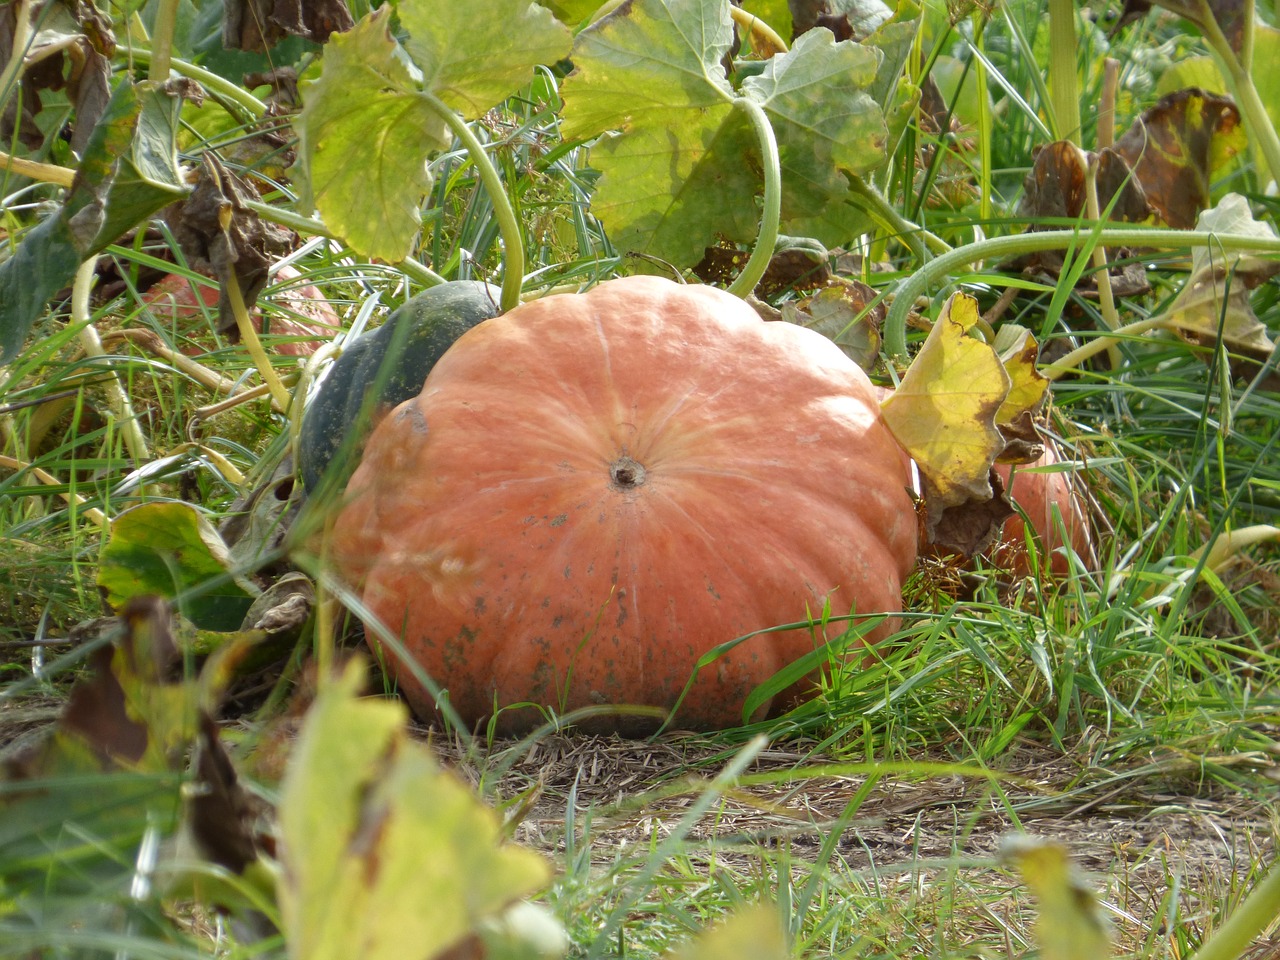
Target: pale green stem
(72,499)
(1102,276)
(995,248)
(91,343)
(508,223)
(1064,85)
(45,172)
(753,24)
(1230,544)
(210,81)
(1247,921)
(316,228)
(767,238)
(1079,355)
(985,201)
(162,40)
(18,50)
(249,337)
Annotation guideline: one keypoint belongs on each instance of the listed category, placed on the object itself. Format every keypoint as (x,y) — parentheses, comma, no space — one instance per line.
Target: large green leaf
(823,120)
(362,139)
(369,123)
(467,56)
(386,855)
(168,549)
(129,171)
(683,165)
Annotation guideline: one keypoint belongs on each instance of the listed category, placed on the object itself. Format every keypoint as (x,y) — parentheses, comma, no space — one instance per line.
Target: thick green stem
(162,40)
(508,222)
(210,81)
(876,206)
(1000,247)
(767,238)
(758,27)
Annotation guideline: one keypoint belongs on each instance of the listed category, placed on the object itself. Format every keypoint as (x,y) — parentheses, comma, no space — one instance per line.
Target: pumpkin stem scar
(626,473)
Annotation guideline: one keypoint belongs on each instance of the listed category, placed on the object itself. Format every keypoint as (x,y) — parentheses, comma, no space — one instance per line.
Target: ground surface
(1136,832)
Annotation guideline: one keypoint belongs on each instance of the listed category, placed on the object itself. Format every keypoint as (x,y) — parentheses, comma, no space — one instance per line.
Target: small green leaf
(470,59)
(386,855)
(167,549)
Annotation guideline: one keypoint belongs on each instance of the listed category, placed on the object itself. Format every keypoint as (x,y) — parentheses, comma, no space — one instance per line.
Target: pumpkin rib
(605,486)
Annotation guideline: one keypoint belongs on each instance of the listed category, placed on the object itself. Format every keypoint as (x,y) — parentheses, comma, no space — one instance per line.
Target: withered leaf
(1055,188)
(224,817)
(840,312)
(1214,303)
(258,25)
(797,264)
(968,527)
(1176,147)
(1229,15)
(220,235)
(70,51)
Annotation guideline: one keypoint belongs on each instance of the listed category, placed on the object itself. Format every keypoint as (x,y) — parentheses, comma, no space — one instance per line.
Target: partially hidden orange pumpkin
(593,490)
(1055,506)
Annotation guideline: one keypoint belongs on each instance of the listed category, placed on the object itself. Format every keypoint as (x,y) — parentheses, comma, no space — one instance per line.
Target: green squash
(381,369)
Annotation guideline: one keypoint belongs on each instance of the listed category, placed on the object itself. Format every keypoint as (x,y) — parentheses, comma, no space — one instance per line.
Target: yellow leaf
(1070,925)
(754,934)
(944,411)
(386,855)
(1018,352)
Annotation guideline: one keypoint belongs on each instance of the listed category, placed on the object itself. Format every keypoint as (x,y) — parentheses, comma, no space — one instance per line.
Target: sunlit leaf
(386,855)
(572,12)
(824,121)
(168,549)
(466,55)
(943,413)
(1018,352)
(364,133)
(1070,924)
(366,128)
(682,164)
(1214,303)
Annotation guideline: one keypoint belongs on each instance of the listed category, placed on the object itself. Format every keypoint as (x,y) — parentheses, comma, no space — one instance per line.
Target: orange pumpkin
(594,490)
(1037,494)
